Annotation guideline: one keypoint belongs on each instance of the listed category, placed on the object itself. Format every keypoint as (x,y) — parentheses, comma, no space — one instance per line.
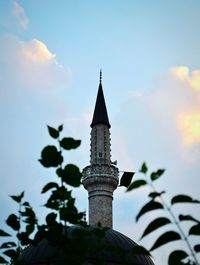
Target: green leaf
(157,174)
(13,222)
(165,238)
(60,128)
(3,233)
(176,256)
(187,218)
(18,199)
(181,198)
(2,260)
(49,186)
(69,143)
(143,168)
(50,157)
(136,184)
(8,245)
(53,132)
(197,248)
(71,175)
(155,224)
(153,195)
(150,206)
(195,230)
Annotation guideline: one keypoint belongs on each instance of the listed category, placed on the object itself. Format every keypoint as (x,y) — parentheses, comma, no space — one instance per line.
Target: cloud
(176,103)
(19,13)
(183,73)
(29,66)
(189,125)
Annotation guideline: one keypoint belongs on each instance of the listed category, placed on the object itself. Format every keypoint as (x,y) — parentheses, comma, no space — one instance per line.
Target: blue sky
(51,54)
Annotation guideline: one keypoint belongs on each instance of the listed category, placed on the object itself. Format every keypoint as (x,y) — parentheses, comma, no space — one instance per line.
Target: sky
(149,53)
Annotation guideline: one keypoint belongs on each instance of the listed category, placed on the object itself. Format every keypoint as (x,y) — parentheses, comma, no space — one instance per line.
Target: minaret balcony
(97,170)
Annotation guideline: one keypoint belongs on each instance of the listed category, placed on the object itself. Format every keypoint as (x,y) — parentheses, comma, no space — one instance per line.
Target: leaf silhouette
(49,186)
(3,233)
(187,218)
(197,248)
(176,256)
(69,143)
(13,222)
(155,224)
(181,198)
(144,168)
(136,184)
(195,230)
(155,194)
(51,157)
(2,260)
(53,132)
(150,206)
(155,175)
(18,198)
(165,238)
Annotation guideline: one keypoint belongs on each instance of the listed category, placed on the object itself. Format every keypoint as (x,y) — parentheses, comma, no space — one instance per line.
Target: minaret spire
(100,76)
(100,115)
(100,178)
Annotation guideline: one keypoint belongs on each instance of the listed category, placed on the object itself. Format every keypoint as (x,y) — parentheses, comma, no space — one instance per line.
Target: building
(100,179)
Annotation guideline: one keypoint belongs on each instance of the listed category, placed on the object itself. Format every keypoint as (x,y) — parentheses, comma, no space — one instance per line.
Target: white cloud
(19,13)
(29,66)
(176,104)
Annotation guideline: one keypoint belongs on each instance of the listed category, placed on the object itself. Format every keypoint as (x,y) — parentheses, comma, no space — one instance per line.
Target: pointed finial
(100,77)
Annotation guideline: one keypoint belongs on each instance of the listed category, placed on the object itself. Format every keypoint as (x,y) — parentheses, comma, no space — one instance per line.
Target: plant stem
(177,223)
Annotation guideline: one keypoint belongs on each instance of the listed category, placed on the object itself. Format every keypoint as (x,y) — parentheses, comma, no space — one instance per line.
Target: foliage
(156,201)
(69,240)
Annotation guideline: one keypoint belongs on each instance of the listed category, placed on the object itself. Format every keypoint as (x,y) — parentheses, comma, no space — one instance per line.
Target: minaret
(100,178)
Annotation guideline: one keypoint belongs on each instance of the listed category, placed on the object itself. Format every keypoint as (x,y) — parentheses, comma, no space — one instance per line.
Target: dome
(44,253)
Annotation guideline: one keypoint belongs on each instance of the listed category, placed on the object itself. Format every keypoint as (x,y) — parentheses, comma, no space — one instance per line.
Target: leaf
(187,218)
(50,157)
(24,238)
(2,260)
(136,184)
(3,233)
(139,250)
(8,245)
(18,199)
(53,132)
(155,224)
(150,206)
(181,198)
(155,194)
(49,186)
(176,256)
(157,174)
(195,230)
(71,175)
(144,168)
(197,248)
(69,143)
(51,218)
(165,238)
(10,253)
(60,128)
(13,222)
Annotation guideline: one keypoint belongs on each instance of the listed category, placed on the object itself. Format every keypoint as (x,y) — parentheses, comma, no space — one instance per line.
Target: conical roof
(100,115)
